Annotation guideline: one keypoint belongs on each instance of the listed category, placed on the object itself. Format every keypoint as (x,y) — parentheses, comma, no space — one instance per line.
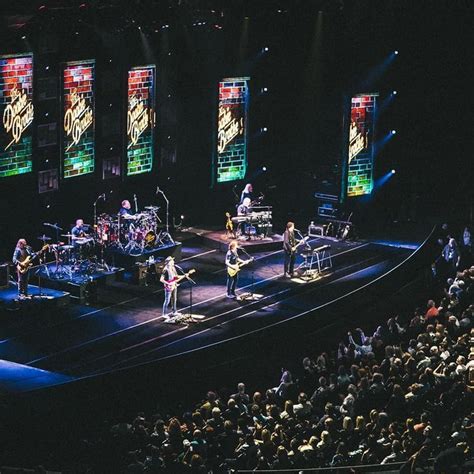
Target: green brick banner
(17,112)
(140,119)
(232,129)
(360,156)
(78,118)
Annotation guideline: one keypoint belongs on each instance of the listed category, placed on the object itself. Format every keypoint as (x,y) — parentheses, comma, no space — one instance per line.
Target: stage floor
(126,329)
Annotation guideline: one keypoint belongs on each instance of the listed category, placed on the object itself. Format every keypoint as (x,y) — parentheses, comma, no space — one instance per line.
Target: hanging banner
(360,153)
(140,119)
(78,118)
(231,162)
(17,112)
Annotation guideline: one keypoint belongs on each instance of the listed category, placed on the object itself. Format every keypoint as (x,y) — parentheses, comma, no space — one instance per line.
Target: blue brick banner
(232,129)
(360,156)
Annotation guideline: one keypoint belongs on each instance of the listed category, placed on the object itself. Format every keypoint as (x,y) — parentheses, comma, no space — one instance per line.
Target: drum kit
(132,234)
(84,255)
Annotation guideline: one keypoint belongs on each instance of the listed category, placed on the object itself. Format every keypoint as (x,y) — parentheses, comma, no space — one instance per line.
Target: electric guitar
(232,271)
(301,242)
(174,283)
(24,266)
(229,225)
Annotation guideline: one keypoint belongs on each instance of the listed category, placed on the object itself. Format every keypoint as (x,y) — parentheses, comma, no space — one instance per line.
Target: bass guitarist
(233,263)
(289,247)
(23,253)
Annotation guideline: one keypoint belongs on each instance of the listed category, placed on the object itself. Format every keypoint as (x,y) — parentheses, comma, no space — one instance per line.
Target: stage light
(393,132)
(264,168)
(182,216)
(110,105)
(23,37)
(395,52)
(264,89)
(140,28)
(266,49)
(264,129)
(394,171)
(46,114)
(394,92)
(47,68)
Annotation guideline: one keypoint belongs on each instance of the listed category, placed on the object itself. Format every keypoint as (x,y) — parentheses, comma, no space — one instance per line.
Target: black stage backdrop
(318,53)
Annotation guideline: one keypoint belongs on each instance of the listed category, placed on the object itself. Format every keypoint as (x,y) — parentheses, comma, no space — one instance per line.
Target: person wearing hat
(169,278)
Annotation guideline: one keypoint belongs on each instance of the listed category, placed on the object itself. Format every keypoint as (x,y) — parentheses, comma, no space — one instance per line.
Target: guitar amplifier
(4,275)
(147,272)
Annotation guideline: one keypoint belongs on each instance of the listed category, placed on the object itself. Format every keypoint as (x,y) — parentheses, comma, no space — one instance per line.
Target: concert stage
(125,328)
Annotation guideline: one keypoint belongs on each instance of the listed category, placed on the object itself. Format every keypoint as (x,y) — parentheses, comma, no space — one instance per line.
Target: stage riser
(128,261)
(215,240)
(56,299)
(86,290)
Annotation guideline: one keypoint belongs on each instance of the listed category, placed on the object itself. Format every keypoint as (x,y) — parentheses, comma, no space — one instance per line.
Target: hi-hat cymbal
(152,208)
(44,238)
(67,235)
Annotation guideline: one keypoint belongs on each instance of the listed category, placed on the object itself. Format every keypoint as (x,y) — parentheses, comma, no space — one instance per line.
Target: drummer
(126,210)
(79,230)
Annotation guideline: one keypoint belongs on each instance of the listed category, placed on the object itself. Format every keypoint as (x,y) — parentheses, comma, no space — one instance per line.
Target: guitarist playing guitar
(290,244)
(170,280)
(233,263)
(23,257)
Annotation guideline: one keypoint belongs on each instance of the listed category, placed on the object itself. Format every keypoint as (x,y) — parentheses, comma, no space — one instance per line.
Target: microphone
(103,196)
(158,190)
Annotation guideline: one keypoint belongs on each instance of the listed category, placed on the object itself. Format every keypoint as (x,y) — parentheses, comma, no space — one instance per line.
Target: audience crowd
(403,394)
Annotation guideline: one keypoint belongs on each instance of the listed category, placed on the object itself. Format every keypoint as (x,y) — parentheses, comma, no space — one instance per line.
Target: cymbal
(152,208)
(67,235)
(53,226)
(44,238)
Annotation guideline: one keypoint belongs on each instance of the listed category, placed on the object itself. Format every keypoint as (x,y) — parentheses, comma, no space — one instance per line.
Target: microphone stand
(158,190)
(250,295)
(103,263)
(136,203)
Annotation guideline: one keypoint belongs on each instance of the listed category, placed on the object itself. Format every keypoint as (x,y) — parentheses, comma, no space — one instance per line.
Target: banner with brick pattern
(17,112)
(78,118)
(232,129)
(360,157)
(140,119)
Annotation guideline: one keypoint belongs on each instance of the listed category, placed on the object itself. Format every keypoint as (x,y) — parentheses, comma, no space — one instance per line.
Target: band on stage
(104,232)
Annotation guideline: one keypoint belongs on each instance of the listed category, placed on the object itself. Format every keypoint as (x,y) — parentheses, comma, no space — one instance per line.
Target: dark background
(319,53)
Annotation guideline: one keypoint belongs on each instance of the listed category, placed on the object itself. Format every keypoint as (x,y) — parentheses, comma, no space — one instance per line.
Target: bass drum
(150,239)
